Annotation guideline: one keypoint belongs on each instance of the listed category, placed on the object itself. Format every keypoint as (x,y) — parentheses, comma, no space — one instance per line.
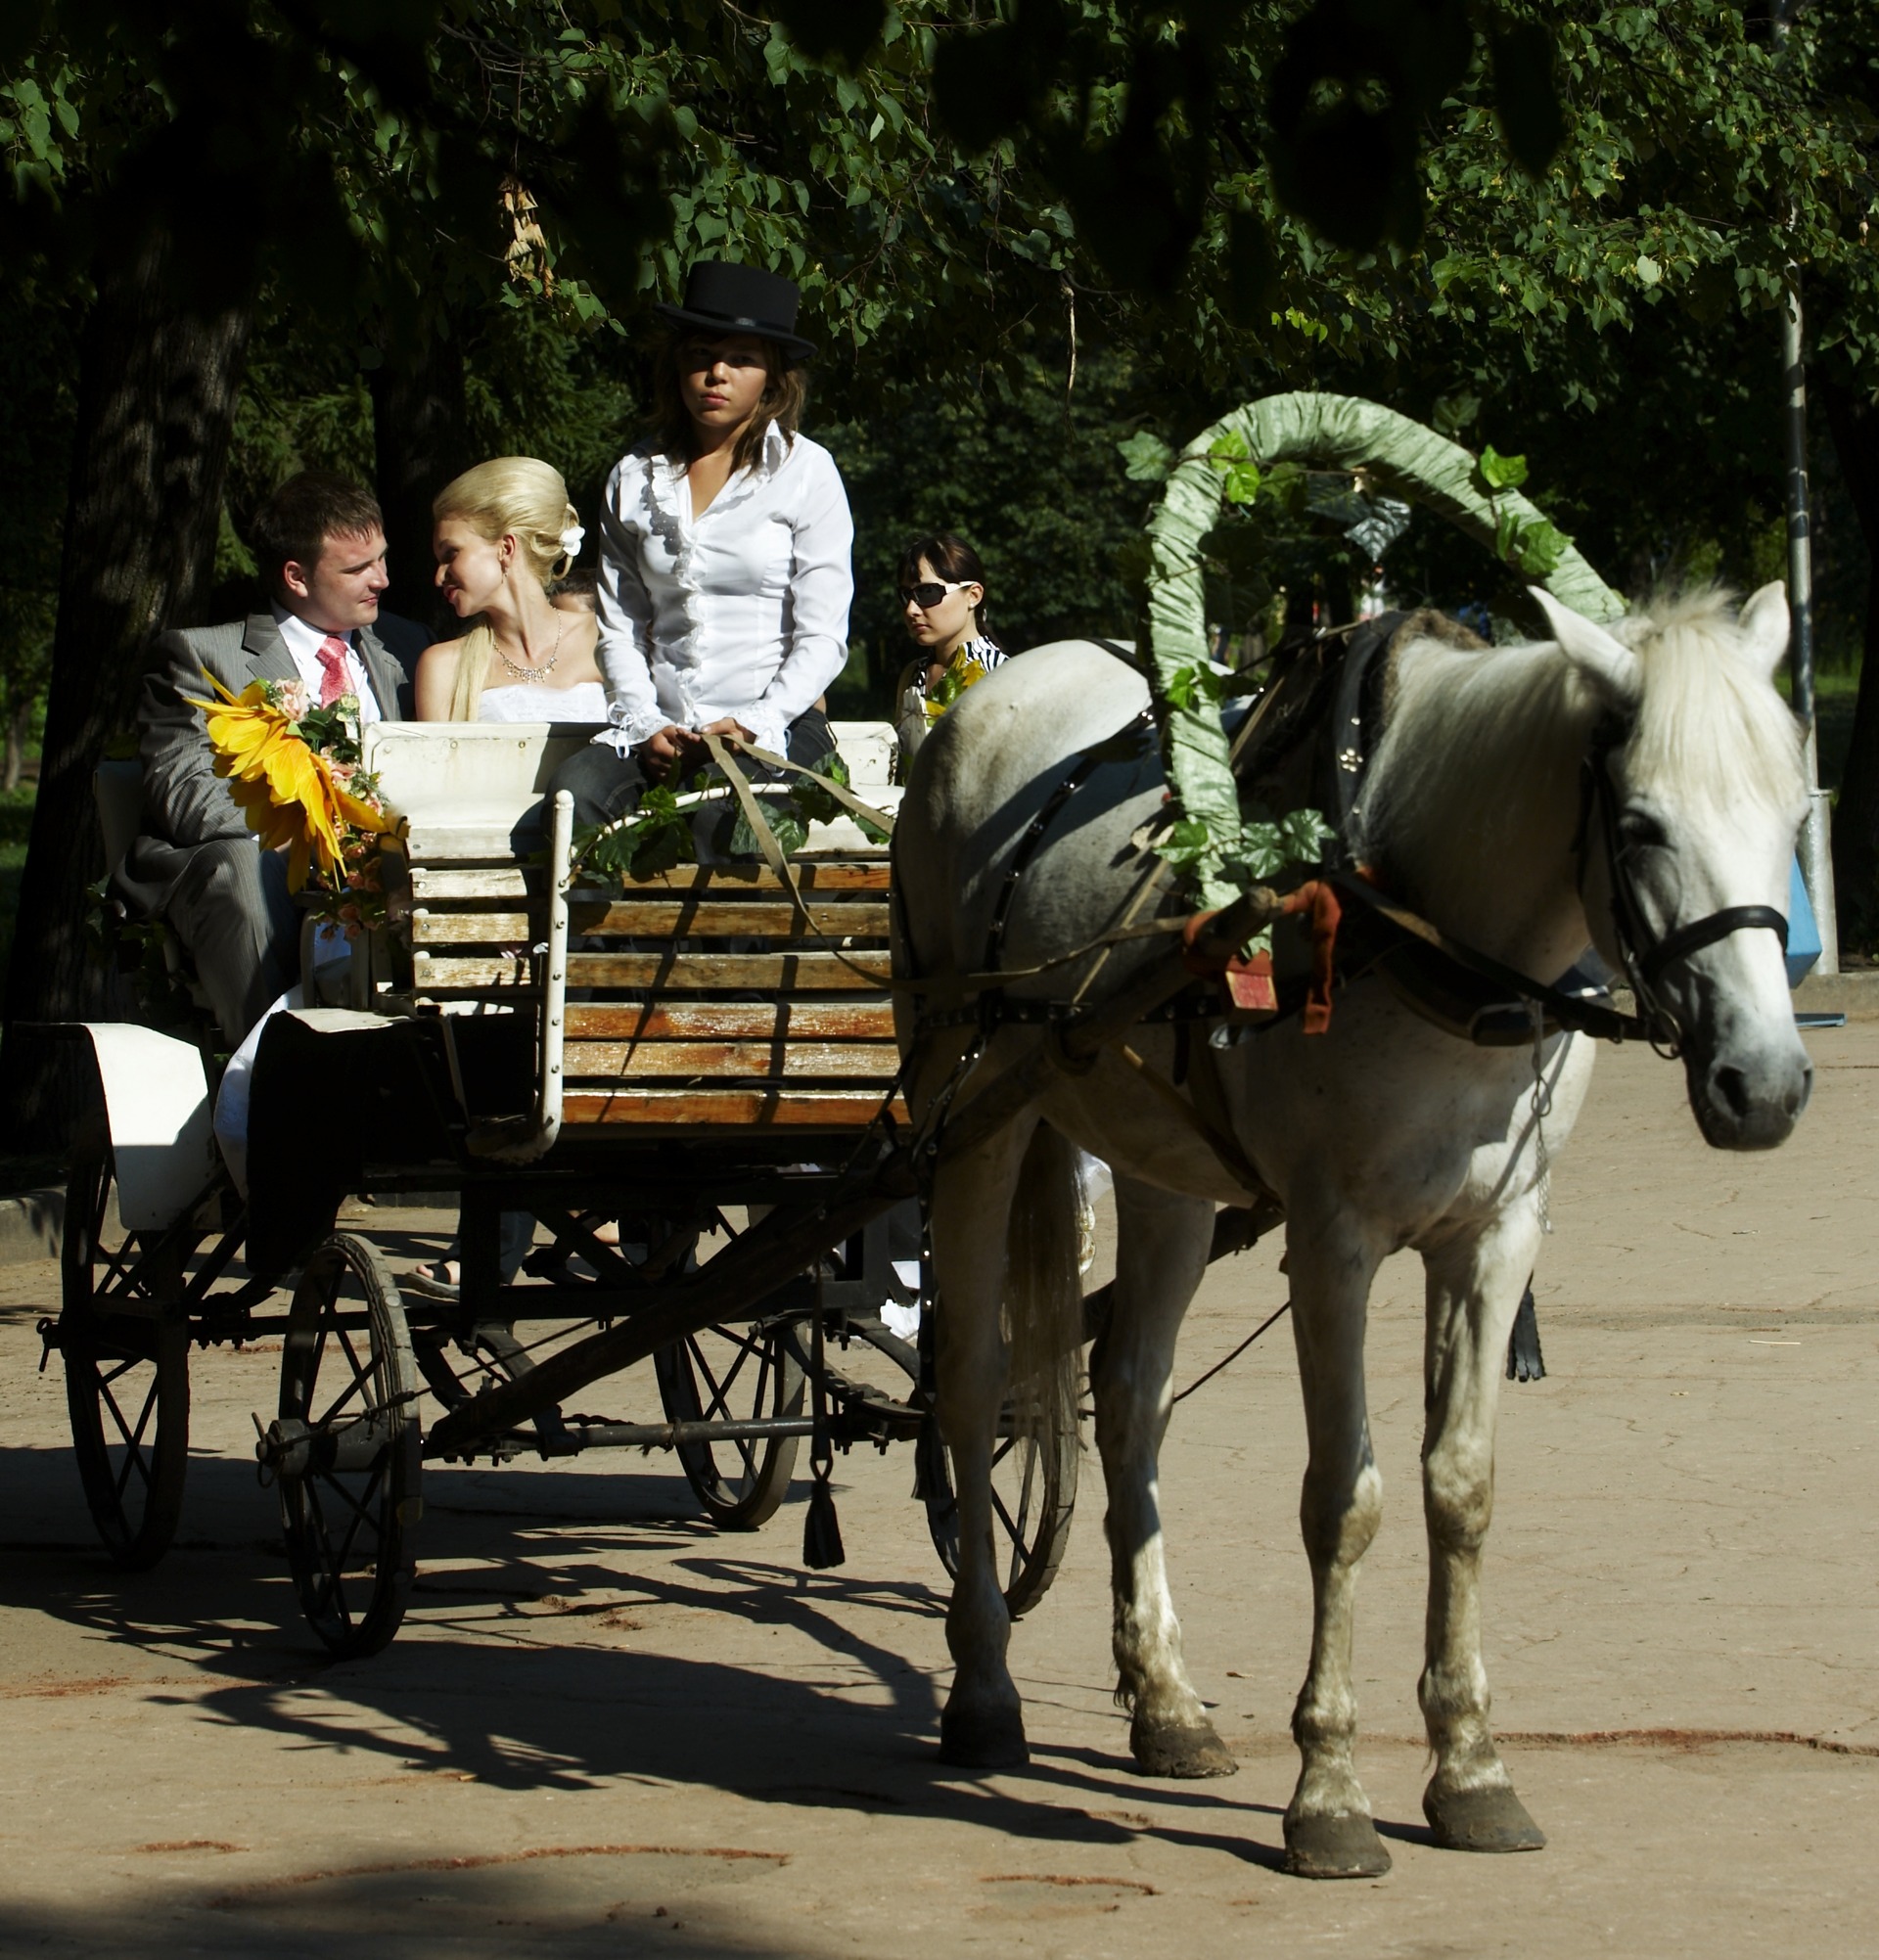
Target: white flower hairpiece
(571,540)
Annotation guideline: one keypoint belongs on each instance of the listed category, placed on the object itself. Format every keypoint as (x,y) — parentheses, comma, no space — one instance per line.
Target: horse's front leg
(982,1724)
(1161,1253)
(1328,1831)
(1475,1282)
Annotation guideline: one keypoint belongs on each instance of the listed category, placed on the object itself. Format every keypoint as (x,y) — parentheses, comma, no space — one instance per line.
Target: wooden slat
(473,928)
(737,1108)
(487,883)
(870,1019)
(735,880)
(786,973)
(721,919)
(511,979)
(697,973)
(629,1062)
(667,919)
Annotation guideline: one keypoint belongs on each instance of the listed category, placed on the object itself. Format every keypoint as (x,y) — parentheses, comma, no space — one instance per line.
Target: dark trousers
(606,785)
(232,912)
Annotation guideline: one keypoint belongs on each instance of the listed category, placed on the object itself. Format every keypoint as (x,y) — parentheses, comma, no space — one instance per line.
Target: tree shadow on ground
(580,1678)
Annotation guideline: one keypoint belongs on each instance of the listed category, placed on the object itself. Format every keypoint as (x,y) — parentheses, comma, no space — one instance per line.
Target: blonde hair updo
(509,496)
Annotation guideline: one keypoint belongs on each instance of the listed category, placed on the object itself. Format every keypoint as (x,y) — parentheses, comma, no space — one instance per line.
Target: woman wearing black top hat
(725,566)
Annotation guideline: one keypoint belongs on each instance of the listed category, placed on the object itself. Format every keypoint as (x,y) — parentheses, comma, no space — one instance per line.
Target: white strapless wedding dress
(585,701)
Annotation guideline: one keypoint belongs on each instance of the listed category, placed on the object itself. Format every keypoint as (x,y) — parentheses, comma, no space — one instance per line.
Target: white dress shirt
(743,611)
(303,642)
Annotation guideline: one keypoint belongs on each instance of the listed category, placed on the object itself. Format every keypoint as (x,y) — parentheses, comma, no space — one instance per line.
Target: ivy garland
(1261,450)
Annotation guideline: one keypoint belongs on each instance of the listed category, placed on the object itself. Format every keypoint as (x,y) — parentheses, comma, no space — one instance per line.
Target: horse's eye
(1640,828)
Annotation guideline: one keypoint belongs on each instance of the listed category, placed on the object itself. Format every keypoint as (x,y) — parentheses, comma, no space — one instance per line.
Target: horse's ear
(1591,648)
(1764,625)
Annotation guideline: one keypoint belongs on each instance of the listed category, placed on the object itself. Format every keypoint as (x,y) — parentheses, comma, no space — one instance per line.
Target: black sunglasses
(925,595)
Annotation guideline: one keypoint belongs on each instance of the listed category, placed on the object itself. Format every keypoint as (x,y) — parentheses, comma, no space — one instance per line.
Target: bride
(504,530)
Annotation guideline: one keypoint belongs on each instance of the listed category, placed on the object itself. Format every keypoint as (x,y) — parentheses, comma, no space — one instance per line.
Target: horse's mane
(1481,749)
(1709,727)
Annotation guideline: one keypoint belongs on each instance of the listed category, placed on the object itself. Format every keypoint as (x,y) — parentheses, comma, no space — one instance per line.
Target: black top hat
(727,299)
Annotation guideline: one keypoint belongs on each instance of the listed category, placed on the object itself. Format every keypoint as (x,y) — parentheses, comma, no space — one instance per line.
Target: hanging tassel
(1524,1361)
(821,1530)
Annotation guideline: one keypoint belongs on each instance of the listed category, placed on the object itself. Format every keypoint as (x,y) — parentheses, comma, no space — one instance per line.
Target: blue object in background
(1804,936)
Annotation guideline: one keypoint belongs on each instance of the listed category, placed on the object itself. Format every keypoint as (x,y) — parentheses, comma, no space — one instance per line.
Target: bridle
(1645,954)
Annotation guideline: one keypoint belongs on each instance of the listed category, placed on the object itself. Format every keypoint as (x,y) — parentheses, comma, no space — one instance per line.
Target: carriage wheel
(1034,1491)
(126,1376)
(346,1447)
(736,1374)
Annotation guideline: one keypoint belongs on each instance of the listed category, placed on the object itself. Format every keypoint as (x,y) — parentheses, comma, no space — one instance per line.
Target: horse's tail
(1043,1288)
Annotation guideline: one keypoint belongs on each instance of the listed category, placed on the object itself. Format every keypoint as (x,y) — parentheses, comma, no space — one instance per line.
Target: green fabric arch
(1336,432)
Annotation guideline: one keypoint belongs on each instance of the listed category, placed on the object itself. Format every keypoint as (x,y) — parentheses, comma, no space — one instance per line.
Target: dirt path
(607,1730)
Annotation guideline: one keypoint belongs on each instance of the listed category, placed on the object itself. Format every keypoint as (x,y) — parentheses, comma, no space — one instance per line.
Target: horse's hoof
(1491,1819)
(970,1739)
(1167,1748)
(1344,1846)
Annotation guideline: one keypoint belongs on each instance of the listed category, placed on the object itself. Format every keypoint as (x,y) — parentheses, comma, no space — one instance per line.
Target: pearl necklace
(529,673)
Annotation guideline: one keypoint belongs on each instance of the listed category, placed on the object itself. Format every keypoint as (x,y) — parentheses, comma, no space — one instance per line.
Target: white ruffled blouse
(743,611)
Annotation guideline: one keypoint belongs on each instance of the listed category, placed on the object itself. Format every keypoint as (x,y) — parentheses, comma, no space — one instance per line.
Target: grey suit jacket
(186,804)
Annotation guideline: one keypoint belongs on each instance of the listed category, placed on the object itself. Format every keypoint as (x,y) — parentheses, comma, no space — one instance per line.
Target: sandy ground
(606,1729)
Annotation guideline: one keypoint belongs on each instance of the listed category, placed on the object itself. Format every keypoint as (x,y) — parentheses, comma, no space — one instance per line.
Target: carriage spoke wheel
(346,1448)
(736,1374)
(126,1376)
(1034,1491)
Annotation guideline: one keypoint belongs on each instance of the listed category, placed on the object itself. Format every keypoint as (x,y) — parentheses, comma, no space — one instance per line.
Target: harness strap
(1565,1010)
(1701,933)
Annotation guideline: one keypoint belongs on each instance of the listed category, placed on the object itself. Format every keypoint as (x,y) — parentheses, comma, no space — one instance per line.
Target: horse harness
(1330,692)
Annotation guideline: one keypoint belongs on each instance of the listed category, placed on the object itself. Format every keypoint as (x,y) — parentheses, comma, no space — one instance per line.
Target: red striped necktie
(334,681)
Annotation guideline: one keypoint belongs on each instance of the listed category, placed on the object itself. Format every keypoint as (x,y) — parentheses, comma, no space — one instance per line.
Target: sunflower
(285,789)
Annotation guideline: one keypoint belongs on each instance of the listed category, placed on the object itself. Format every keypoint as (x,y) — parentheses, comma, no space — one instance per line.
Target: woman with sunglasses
(943,600)
(725,554)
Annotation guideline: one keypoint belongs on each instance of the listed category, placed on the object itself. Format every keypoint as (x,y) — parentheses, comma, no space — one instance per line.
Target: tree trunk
(19,728)
(157,388)
(419,444)
(1853,420)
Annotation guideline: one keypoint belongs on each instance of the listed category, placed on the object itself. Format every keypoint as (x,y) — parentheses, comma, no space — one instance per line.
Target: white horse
(1383,1132)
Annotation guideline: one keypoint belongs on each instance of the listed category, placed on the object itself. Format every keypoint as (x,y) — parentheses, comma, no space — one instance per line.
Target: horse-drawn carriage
(704,1040)
(705,1058)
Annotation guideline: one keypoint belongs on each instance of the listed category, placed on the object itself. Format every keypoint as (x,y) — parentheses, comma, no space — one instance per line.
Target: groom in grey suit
(320,546)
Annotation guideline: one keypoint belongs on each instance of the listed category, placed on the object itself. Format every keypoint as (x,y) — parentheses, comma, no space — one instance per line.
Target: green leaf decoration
(662,849)
(1242,483)
(1229,449)
(1501,473)
(791,832)
(1186,842)
(1191,686)
(1285,485)
(1148,457)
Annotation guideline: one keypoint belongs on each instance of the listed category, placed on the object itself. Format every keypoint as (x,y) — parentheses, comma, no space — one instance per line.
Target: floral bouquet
(294,771)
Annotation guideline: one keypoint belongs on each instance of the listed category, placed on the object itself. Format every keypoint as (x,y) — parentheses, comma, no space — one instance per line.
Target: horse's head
(1693,806)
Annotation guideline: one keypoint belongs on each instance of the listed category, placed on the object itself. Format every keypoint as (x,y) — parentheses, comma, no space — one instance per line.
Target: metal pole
(1817,844)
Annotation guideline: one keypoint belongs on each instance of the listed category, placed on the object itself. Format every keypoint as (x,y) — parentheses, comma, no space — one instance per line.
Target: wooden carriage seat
(700,997)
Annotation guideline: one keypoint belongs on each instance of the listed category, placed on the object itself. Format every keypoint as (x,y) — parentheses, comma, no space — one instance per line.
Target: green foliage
(663,831)
(1149,458)
(1034,481)
(1269,845)
(1495,472)
(1195,689)
(811,804)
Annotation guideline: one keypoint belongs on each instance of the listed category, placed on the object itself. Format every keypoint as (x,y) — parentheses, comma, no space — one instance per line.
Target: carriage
(705,1055)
